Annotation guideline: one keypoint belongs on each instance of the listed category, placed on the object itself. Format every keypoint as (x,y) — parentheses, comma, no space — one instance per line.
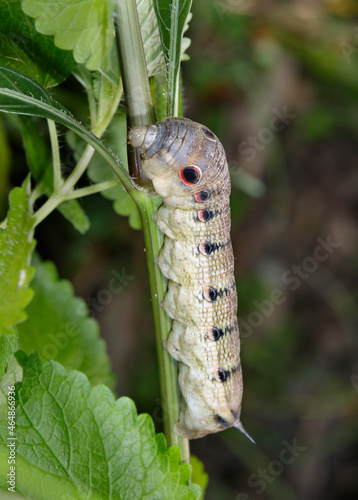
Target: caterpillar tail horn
(240,427)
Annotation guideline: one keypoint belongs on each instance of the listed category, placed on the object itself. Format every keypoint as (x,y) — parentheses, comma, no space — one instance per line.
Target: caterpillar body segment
(187,165)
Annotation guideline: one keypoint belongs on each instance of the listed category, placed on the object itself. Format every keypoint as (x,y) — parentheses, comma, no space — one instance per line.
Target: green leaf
(73,212)
(12,376)
(16,247)
(5,160)
(24,49)
(21,94)
(77,442)
(8,345)
(85,27)
(59,328)
(37,151)
(172,18)
(125,206)
(153,50)
(199,475)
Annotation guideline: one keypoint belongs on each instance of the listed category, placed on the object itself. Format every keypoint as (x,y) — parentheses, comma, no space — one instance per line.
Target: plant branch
(56,164)
(79,169)
(167,365)
(96,188)
(48,207)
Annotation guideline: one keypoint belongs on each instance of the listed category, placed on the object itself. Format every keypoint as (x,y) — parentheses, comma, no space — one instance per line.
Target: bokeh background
(277,81)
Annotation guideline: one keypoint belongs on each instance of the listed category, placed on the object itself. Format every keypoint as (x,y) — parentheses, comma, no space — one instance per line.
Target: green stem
(79,169)
(56,164)
(140,109)
(133,66)
(88,152)
(106,113)
(96,188)
(84,76)
(36,193)
(48,207)
(158,285)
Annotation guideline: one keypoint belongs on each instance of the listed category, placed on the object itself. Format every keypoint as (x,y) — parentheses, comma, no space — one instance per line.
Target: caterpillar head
(181,157)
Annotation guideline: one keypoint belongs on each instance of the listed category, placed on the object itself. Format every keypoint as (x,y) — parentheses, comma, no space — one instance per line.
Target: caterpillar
(187,166)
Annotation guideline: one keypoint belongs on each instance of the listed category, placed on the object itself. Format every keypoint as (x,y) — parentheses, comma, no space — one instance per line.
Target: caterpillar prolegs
(187,165)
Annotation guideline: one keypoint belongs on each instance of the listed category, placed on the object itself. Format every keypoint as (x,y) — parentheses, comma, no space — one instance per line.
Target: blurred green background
(277,81)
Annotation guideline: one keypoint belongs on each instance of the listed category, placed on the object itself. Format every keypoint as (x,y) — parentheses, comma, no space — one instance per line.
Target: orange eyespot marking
(205,215)
(202,196)
(210,294)
(206,248)
(190,175)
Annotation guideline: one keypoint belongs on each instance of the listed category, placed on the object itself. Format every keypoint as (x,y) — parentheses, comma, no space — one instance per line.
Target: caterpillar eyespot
(190,175)
(215,334)
(206,248)
(209,134)
(205,215)
(210,294)
(202,196)
(197,249)
(223,375)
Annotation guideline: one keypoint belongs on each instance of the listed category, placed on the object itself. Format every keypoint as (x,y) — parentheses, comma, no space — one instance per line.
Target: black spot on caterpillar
(187,165)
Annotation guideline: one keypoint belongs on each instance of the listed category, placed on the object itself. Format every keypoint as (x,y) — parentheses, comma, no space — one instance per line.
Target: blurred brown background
(277,81)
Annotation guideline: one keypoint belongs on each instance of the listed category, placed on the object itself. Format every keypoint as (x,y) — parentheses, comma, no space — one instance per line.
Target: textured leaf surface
(22,94)
(26,50)
(8,345)
(77,442)
(58,327)
(172,19)
(85,26)
(16,247)
(73,212)
(153,50)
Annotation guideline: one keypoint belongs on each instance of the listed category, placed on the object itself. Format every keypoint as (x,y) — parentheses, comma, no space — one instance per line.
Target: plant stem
(79,169)
(133,66)
(136,87)
(56,164)
(48,207)
(95,188)
(167,366)
(140,110)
